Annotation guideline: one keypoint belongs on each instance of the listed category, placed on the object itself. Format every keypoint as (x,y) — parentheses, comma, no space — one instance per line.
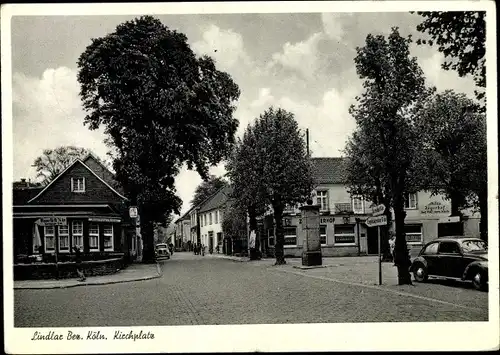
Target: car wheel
(420,273)
(479,280)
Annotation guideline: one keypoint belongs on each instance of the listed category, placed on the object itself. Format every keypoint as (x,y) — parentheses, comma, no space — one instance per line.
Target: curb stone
(143,278)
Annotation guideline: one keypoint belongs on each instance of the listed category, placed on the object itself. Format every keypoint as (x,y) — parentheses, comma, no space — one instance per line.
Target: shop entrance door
(450,229)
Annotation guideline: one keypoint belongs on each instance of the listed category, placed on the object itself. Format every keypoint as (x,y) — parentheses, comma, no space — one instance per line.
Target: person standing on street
(78,261)
(392,246)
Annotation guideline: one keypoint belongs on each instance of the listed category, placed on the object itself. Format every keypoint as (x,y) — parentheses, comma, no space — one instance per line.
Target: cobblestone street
(209,290)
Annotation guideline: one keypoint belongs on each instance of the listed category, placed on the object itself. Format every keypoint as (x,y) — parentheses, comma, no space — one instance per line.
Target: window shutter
(83,184)
(72,186)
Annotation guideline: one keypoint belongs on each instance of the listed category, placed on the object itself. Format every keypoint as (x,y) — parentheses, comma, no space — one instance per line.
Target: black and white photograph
(228,177)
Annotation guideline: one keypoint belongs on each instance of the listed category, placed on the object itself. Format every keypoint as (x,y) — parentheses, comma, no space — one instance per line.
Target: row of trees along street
(161,107)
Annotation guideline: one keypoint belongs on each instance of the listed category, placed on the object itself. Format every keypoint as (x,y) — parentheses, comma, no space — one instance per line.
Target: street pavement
(205,290)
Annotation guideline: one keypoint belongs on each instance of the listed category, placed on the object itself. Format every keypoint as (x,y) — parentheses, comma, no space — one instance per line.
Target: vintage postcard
(250,176)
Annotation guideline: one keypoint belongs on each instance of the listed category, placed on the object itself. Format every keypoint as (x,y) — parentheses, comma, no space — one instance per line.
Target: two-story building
(89,207)
(183,235)
(211,214)
(343,229)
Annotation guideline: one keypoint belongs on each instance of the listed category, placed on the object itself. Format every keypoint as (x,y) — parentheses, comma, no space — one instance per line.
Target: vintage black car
(461,258)
(162,252)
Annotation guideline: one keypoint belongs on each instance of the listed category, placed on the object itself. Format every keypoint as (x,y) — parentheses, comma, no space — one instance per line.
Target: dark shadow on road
(452,283)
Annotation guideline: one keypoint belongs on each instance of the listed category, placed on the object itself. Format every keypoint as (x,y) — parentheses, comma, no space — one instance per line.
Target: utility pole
(307,140)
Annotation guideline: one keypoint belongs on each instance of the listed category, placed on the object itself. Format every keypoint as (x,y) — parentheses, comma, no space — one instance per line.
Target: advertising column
(311,251)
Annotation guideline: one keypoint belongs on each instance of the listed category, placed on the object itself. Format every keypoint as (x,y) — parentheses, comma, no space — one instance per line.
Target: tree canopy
(385,140)
(53,161)
(453,159)
(207,188)
(161,106)
(461,37)
(271,167)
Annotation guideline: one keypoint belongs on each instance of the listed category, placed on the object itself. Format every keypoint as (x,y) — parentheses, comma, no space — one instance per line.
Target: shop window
(358,204)
(322,200)
(411,201)
(50,237)
(322,235)
(270,237)
(78,184)
(290,234)
(94,236)
(413,233)
(108,237)
(344,234)
(78,234)
(64,238)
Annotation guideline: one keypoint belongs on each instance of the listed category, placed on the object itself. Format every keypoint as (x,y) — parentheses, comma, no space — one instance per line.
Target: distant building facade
(343,229)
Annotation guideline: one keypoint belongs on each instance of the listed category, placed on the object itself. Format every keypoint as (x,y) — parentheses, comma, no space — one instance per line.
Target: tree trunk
(280,238)
(483,209)
(147,232)
(402,259)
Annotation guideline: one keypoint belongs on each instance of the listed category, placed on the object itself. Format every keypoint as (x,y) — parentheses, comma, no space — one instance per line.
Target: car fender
(418,259)
(480,264)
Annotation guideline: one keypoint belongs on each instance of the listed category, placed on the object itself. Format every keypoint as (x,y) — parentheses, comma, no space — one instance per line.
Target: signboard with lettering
(104,220)
(132,212)
(376,221)
(435,207)
(378,210)
(54,221)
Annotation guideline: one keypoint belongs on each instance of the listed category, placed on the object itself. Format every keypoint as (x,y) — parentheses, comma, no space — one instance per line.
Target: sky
(300,62)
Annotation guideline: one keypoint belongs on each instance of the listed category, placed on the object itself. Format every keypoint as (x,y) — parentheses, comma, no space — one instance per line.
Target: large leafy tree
(273,168)
(161,106)
(393,84)
(244,167)
(234,223)
(461,37)
(207,188)
(53,161)
(453,158)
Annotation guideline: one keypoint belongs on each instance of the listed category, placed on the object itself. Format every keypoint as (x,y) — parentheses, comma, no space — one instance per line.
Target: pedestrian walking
(392,247)
(78,261)
(202,250)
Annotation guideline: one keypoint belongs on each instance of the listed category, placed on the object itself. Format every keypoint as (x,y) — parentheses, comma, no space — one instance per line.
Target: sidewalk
(297,262)
(134,272)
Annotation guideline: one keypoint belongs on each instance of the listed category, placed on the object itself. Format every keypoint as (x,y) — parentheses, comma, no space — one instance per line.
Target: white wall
(213,227)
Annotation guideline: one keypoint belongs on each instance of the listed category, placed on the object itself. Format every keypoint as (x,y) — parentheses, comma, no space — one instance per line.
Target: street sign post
(377,221)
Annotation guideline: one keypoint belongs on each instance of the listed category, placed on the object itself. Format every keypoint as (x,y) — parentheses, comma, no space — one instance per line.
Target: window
(78,234)
(470,246)
(78,184)
(64,238)
(358,204)
(322,200)
(205,219)
(49,238)
(270,236)
(322,235)
(431,249)
(94,236)
(210,218)
(411,201)
(344,234)
(201,221)
(290,234)
(216,216)
(449,248)
(108,237)
(413,233)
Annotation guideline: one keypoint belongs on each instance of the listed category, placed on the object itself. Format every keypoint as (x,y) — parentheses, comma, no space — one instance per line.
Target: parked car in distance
(161,251)
(458,258)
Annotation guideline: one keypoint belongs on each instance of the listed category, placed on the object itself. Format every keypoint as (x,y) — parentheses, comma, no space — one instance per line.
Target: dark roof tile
(329,170)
